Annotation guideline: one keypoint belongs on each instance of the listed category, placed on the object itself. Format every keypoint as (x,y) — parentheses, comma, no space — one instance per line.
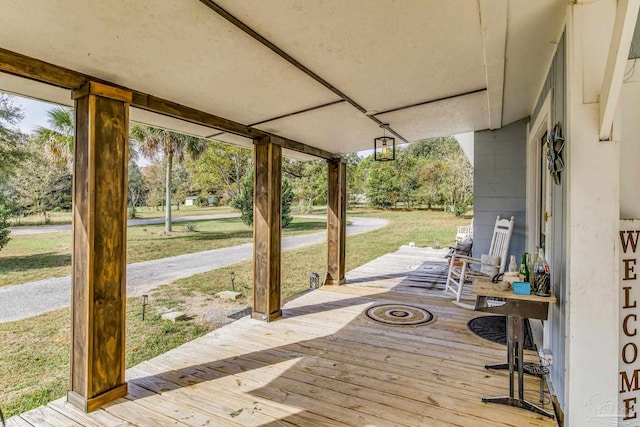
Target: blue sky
(35,113)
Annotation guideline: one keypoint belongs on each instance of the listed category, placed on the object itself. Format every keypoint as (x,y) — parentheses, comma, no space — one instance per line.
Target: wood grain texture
(336,221)
(99,246)
(35,69)
(267,229)
(326,364)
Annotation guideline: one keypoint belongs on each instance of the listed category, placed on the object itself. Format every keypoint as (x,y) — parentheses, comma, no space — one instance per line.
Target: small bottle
(542,277)
(524,267)
(533,261)
(513,265)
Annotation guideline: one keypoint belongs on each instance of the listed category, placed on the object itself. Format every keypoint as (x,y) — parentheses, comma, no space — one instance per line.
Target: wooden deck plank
(326,364)
(179,387)
(98,418)
(47,417)
(411,385)
(17,421)
(139,415)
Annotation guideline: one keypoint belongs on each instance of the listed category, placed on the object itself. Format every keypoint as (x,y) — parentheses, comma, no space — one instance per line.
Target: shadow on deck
(325,364)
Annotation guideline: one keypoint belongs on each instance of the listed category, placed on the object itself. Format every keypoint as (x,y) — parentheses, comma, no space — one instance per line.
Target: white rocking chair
(460,266)
(464,231)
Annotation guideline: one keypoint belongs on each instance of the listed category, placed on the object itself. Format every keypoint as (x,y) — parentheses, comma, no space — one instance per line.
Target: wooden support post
(99,245)
(267,229)
(336,221)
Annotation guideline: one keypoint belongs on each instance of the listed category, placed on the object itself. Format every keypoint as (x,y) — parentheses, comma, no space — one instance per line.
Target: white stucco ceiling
(383,54)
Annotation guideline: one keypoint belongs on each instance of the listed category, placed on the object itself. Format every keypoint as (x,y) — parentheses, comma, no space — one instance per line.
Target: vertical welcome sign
(629,361)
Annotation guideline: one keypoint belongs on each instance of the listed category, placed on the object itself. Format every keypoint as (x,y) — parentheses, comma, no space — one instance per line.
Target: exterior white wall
(593,219)
(466,143)
(630,145)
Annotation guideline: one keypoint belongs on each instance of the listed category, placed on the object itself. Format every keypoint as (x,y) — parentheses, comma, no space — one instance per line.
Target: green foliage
(308,180)
(433,172)
(57,139)
(137,189)
(287,200)
(38,187)
(191,227)
(4,226)
(220,170)
(13,149)
(202,200)
(173,146)
(244,201)
(382,188)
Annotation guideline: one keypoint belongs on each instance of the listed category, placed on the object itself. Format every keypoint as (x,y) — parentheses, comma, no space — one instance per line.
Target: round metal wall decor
(399,315)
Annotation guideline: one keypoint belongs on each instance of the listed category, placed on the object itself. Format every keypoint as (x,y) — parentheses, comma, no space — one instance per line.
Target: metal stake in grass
(145,301)
(232,276)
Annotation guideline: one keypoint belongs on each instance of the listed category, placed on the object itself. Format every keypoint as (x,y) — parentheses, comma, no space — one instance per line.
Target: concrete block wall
(500,185)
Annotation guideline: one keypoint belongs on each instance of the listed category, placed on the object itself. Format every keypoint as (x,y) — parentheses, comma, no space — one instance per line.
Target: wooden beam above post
(44,72)
(336,221)
(267,229)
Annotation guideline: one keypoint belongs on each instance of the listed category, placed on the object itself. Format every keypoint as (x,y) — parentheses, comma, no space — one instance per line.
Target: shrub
(244,201)
(4,226)
(202,200)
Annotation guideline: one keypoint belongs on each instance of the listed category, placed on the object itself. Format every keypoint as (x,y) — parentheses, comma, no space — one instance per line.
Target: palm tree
(58,138)
(174,146)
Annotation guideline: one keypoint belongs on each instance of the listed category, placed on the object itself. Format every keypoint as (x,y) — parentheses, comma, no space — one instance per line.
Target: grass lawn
(39,256)
(425,228)
(34,357)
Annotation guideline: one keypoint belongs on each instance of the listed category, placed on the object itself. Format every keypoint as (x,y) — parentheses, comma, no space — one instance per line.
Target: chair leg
(460,282)
(453,285)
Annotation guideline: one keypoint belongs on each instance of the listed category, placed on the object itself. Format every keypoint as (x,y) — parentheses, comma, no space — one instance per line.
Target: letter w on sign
(629,240)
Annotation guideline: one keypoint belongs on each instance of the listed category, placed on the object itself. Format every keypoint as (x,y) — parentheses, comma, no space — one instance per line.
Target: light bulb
(385,149)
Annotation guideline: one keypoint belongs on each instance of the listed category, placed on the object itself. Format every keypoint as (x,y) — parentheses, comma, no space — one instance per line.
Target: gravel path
(33,298)
(36,229)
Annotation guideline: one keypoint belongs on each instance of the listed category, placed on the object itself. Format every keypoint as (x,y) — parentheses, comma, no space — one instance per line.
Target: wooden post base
(89,405)
(267,317)
(330,282)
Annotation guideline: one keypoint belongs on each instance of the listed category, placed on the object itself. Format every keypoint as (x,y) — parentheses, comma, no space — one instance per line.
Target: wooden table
(516,308)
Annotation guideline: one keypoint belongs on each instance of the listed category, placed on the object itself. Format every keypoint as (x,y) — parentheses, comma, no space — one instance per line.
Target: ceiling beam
(431,101)
(44,72)
(291,60)
(623,28)
(493,21)
(295,113)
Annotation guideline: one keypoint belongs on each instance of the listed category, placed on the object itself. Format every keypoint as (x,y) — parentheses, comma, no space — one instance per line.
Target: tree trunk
(167,212)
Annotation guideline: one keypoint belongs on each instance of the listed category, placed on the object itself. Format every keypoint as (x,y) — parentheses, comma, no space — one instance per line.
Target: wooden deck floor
(324,364)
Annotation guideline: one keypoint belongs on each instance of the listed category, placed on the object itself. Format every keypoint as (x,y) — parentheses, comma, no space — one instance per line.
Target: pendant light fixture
(384,147)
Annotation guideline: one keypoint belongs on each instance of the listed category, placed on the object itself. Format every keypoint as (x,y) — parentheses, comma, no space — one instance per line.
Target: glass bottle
(513,266)
(524,267)
(542,278)
(533,262)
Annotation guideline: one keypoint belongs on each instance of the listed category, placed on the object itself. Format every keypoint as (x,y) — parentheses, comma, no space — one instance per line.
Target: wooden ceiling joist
(44,72)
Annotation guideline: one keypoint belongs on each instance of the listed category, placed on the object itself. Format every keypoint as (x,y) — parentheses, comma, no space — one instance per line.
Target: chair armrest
(467,259)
